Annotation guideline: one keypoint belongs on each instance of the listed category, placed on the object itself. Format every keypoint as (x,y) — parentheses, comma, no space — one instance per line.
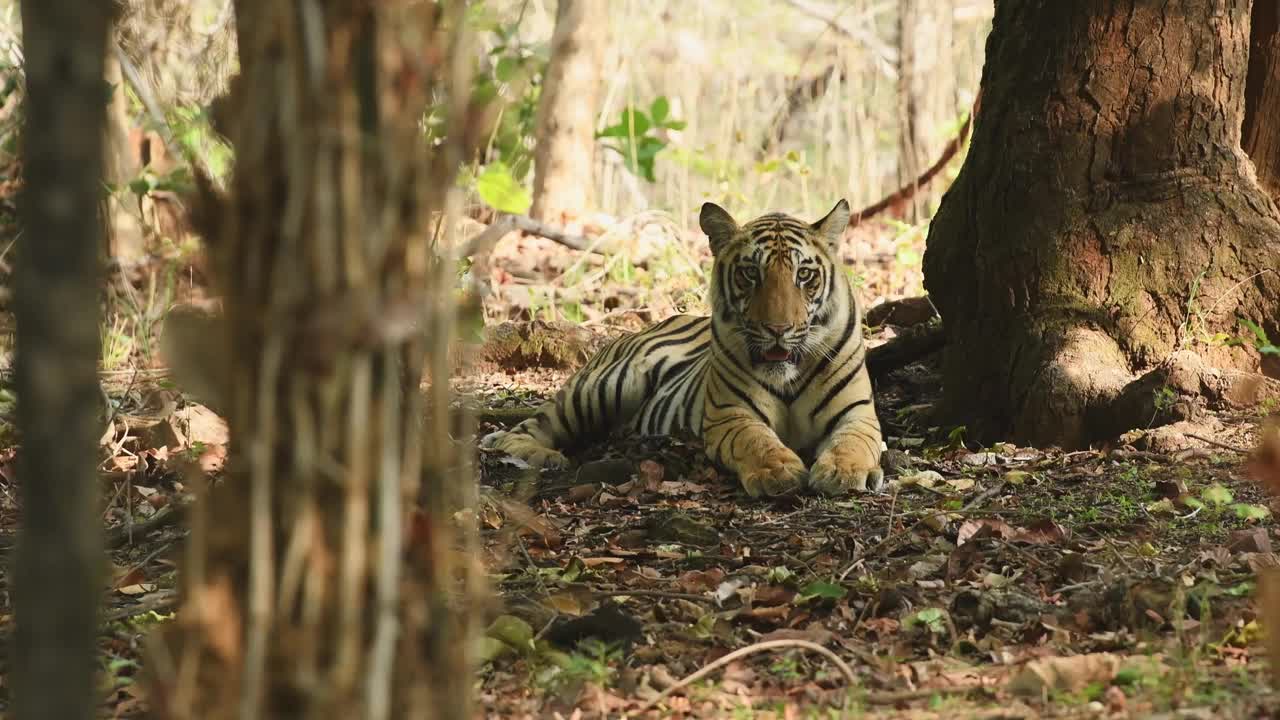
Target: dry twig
(841,665)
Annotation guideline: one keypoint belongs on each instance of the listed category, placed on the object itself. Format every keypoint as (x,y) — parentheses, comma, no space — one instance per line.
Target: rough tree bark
(1262,95)
(312,587)
(564,158)
(57,572)
(1106,221)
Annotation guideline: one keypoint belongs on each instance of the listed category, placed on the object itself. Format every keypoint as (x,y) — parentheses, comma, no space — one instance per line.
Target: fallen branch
(122,535)
(487,238)
(117,536)
(841,665)
(913,344)
(802,93)
(503,223)
(1219,443)
(163,600)
(659,594)
(906,192)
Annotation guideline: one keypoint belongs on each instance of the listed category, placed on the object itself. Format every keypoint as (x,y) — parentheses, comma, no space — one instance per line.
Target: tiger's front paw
(842,470)
(525,448)
(781,471)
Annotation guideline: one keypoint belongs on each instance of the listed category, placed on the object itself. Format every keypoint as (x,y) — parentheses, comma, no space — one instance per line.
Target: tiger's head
(777,290)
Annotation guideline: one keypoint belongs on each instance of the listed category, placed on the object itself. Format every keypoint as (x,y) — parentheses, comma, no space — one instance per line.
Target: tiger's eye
(747,273)
(806,275)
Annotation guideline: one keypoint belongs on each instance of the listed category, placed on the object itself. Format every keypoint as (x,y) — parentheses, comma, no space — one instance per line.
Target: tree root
(913,344)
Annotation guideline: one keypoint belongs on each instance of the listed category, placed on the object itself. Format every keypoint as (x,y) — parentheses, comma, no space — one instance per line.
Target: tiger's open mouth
(775,354)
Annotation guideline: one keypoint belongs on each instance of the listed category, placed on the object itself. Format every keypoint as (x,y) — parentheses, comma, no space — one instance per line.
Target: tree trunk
(313,588)
(1262,95)
(1105,218)
(126,241)
(564,159)
(926,92)
(58,569)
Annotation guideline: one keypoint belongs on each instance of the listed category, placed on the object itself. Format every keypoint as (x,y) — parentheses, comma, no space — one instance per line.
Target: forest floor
(992,582)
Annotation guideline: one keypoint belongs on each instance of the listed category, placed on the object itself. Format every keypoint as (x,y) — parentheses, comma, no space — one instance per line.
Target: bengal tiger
(777,373)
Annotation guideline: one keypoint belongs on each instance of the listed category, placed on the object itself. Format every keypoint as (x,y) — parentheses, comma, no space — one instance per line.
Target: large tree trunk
(564,159)
(313,588)
(1105,217)
(57,572)
(1262,95)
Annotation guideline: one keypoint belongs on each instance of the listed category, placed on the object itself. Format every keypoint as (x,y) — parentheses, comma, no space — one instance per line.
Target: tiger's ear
(718,224)
(831,228)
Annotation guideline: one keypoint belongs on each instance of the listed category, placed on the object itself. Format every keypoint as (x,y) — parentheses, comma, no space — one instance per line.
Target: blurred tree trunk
(1262,95)
(926,92)
(1105,219)
(58,568)
(564,158)
(125,240)
(313,588)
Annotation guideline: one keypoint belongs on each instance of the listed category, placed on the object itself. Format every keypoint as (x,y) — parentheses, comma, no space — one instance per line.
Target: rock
(1252,540)
(611,471)
(674,526)
(894,462)
(518,345)
(202,425)
(606,623)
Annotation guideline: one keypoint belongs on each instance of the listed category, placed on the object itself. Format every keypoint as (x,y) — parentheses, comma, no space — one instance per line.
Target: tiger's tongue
(777,355)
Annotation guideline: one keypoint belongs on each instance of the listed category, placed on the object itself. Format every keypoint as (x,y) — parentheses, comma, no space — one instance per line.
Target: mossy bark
(1106,216)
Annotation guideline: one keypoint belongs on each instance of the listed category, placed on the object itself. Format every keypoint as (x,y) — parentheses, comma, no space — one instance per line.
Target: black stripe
(831,424)
(749,402)
(838,386)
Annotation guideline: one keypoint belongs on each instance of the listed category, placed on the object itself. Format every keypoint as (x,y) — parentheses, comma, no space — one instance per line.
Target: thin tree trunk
(1106,221)
(926,92)
(124,230)
(57,571)
(1262,95)
(564,159)
(313,587)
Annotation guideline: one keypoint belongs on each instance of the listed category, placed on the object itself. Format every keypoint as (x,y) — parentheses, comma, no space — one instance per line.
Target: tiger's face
(773,283)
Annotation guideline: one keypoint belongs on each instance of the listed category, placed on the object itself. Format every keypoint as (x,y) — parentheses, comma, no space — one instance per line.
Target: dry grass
(727,67)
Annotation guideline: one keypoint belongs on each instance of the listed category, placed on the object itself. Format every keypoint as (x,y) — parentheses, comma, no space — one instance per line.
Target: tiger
(774,381)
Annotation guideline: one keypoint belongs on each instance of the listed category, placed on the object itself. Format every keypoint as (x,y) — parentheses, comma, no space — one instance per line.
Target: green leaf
(675,124)
(512,631)
(768,166)
(930,618)
(506,69)
(1245,511)
(633,123)
(1257,331)
(659,109)
(822,589)
(779,574)
(1216,494)
(501,191)
(1244,589)
(140,186)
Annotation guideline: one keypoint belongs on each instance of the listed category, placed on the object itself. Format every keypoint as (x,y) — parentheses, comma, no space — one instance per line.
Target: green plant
(501,190)
(1260,341)
(638,137)
(592,662)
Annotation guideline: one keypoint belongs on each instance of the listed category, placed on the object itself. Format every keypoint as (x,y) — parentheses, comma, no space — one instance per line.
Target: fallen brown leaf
(1064,674)
(986,527)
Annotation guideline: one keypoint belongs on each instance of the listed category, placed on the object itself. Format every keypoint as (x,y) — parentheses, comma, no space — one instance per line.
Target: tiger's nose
(777,329)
